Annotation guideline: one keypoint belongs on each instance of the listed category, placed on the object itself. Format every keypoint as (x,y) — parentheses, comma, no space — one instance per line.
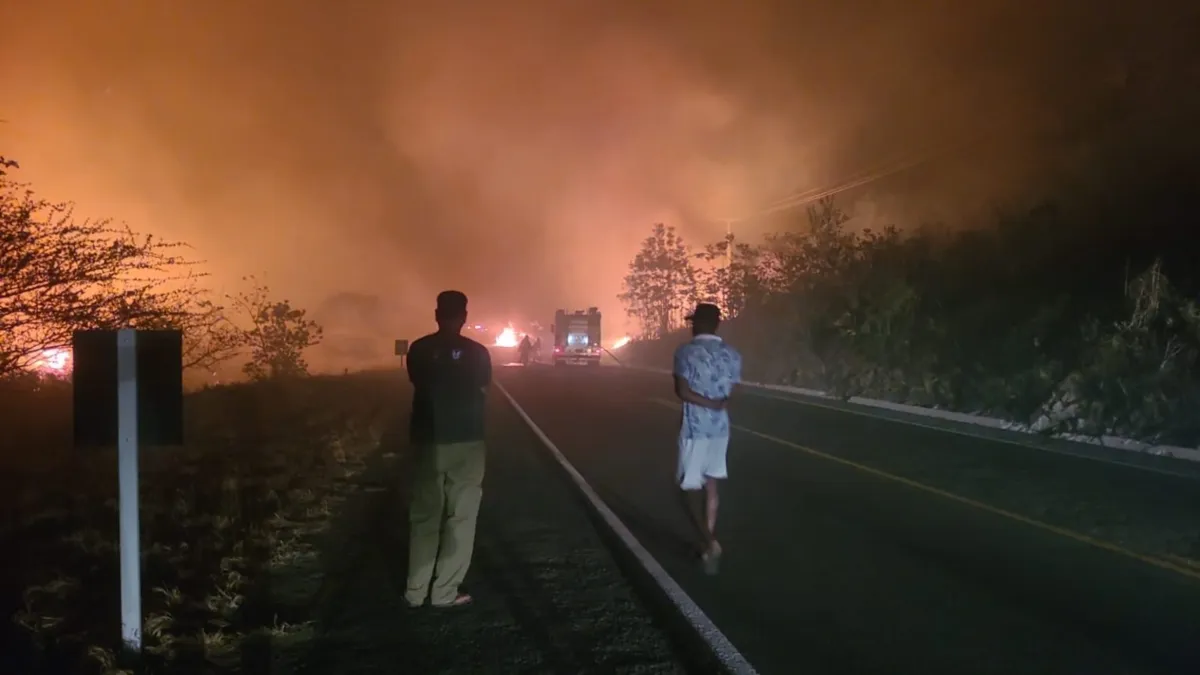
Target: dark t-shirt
(450,375)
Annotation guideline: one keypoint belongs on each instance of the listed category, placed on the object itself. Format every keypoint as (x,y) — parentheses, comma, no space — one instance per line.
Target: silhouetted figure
(524,350)
(450,375)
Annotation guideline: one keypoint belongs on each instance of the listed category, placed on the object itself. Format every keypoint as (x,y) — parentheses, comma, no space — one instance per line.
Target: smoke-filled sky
(520,150)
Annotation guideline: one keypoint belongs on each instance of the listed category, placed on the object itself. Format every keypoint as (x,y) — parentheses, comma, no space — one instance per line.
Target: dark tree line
(1084,320)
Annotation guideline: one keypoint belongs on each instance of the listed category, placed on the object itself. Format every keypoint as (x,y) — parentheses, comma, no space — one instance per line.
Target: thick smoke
(520,150)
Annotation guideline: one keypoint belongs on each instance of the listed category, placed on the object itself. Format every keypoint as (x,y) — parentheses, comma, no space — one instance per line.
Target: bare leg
(711,554)
(712,502)
(695,506)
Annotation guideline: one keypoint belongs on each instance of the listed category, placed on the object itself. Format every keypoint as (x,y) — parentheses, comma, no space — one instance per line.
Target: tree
(733,281)
(209,337)
(795,261)
(278,334)
(59,275)
(661,284)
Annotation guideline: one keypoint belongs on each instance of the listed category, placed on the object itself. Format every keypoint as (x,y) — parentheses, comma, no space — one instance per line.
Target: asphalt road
(860,545)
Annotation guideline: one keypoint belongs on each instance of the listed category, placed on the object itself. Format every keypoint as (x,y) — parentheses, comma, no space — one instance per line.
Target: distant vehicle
(577,337)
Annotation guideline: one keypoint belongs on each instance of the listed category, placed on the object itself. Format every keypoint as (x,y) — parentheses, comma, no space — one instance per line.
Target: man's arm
(417,365)
(737,375)
(684,391)
(685,394)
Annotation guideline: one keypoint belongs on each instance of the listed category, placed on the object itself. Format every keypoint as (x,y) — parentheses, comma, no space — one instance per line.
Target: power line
(812,195)
(858,180)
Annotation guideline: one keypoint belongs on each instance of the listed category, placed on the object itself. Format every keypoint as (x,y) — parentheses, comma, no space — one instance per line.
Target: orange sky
(518,151)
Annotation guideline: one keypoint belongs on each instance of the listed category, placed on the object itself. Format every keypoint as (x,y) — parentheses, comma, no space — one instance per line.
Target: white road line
(731,659)
(800,400)
(1181,566)
(755,389)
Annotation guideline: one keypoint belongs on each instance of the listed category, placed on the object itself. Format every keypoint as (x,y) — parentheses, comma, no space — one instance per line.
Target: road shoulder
(548,595)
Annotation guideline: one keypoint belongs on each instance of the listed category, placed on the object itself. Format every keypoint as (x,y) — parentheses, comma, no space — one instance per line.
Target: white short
(701,459)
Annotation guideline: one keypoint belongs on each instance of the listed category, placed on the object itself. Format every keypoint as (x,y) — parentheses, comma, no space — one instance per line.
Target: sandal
(458,601)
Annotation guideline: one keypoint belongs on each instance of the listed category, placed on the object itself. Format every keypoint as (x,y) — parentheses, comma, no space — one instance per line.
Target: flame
(52,361)
(622,342)
(508,338)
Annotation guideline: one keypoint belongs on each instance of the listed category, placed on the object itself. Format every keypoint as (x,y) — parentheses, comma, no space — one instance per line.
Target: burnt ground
(549,597)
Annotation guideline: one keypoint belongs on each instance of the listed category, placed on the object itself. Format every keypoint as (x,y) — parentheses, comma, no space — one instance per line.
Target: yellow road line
(864,410)
(872,413)
(908,482)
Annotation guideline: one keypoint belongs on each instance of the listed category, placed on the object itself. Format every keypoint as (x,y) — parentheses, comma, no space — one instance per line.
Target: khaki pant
(447,488)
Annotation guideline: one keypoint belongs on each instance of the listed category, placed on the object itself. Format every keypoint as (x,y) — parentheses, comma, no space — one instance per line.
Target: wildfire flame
(508,338)
(52,361)
(622,342)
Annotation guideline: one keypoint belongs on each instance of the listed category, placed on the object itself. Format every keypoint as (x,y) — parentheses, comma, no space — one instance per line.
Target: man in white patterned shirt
(706,370)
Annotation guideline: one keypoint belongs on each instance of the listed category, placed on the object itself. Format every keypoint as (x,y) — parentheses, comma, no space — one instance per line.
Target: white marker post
(127,468)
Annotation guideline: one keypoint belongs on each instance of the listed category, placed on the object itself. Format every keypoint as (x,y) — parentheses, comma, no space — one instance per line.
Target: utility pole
(729,238)
(728,265)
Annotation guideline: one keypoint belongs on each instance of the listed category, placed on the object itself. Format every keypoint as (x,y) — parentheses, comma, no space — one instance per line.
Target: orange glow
(544,137)
(52,361)
(621,342)
(508,338)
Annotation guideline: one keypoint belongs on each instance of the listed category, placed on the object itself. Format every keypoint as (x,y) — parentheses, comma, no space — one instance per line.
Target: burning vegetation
(60,274)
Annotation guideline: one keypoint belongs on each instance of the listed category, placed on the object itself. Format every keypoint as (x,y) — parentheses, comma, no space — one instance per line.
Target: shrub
(1070,319)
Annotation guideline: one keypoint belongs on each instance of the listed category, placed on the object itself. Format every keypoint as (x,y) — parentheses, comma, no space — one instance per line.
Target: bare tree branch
(59,275)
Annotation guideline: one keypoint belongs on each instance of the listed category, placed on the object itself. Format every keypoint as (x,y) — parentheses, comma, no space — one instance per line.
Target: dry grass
(264,469)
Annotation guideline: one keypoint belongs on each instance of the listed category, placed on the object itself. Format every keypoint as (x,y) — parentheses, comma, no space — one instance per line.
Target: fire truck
(577,337)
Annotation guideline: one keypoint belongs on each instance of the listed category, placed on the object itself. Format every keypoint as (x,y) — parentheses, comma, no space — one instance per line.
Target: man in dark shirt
(450,374)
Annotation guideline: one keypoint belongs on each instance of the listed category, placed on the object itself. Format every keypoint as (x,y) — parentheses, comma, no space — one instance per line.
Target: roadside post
(128,391)
(401,350)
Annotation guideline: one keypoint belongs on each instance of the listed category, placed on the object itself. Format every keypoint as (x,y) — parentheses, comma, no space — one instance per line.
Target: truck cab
(577,337)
